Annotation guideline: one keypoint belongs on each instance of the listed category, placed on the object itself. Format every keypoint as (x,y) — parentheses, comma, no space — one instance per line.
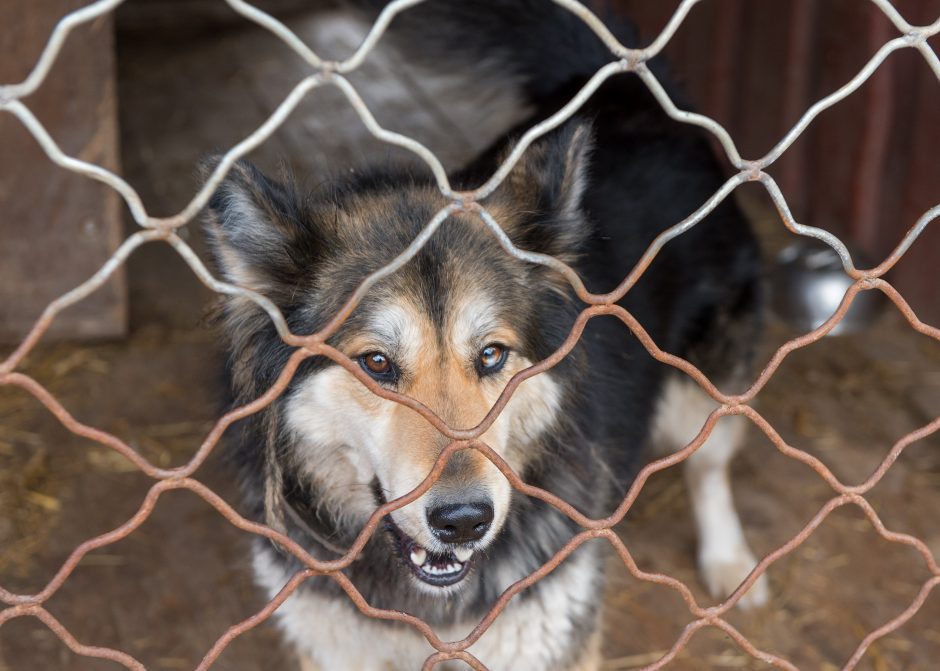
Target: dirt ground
(171,588)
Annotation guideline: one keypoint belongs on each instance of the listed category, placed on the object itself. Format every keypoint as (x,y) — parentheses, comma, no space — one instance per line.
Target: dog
(453,325)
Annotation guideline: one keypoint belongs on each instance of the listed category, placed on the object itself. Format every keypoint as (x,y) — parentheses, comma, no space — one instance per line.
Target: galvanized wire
(623,59)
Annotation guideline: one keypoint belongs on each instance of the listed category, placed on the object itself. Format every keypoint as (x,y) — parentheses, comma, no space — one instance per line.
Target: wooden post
(56,227)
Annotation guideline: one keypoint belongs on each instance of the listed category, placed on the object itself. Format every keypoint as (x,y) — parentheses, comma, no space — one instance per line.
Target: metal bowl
(808,283)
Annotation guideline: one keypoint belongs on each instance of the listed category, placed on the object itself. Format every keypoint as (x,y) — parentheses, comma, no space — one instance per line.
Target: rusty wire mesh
(332,72)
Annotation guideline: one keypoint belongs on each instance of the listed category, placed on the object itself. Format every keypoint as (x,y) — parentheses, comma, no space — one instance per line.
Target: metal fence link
(332,73)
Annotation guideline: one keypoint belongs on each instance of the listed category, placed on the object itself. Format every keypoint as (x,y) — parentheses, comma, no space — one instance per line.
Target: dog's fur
(594,193)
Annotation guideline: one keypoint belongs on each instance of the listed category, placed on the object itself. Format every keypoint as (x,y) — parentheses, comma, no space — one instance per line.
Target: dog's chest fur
(534,633)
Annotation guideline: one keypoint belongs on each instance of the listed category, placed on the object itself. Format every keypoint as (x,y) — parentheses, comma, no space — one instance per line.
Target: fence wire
(325,72)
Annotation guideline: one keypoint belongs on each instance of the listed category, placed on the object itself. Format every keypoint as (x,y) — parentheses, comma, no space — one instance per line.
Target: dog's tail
(541,46)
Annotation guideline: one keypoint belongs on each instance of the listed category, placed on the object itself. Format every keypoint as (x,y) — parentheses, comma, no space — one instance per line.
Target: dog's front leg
(591,658)
(307,664)
(724,556)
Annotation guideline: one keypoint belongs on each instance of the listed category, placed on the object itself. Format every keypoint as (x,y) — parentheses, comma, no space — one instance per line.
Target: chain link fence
(333,73)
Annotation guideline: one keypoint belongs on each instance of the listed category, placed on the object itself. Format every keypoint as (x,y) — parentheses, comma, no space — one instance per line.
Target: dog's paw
(307,664)
(722,575)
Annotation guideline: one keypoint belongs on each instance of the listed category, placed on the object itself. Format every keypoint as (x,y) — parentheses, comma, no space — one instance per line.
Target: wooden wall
(56,227)
(865,169)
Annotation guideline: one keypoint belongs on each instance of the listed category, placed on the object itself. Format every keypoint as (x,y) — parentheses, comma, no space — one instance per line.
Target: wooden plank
(56,227)
(916,274)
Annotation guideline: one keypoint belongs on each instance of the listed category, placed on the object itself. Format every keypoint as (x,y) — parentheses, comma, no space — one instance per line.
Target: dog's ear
(545,189)
(260,235)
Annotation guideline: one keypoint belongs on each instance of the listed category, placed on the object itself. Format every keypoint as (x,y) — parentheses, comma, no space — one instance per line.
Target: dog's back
(645,172)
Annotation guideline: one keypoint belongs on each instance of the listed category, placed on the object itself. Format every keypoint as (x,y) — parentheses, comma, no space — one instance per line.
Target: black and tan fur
(594,193)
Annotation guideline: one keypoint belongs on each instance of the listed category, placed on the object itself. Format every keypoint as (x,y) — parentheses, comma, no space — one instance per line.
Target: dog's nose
(461,522)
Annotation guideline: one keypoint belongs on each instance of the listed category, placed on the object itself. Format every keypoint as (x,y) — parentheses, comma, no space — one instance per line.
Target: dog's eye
(378,366)
(491,359)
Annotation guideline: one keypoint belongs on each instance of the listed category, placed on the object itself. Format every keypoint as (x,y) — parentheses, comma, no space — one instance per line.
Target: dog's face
(456,363)
(449,330)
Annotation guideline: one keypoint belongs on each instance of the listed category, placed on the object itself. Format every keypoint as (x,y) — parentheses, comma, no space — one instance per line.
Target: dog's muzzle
(456,527)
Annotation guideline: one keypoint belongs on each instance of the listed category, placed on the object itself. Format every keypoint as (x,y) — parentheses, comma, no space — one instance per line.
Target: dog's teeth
(442,570)
(419,556)
(463,554)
